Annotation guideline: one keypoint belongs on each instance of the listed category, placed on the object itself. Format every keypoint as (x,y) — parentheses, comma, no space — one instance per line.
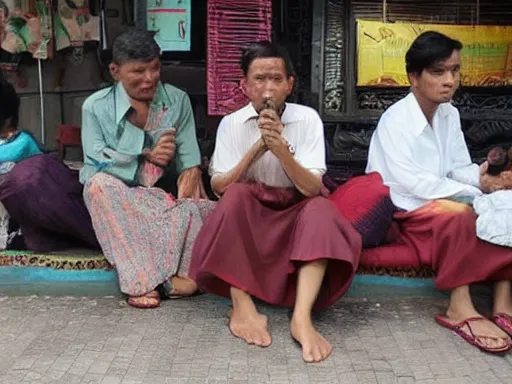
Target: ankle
(502,297)
(460,311)
(502,308)
(301,320)
(461,304)
(242,300)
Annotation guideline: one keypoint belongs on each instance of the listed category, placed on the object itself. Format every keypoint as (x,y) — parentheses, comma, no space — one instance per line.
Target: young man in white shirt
(419,150)
(272,235)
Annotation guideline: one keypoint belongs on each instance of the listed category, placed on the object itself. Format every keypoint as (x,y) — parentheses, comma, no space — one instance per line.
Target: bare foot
(485,331)
(183,286)
(314,347)
(250,326)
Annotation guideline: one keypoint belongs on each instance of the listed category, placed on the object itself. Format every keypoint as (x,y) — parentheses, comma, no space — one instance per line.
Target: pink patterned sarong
(144,232)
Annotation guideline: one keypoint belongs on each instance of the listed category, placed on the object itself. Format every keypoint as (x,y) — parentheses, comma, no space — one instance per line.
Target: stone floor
(100,340)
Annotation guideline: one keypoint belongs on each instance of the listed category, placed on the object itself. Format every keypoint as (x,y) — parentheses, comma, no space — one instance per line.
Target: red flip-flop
(464,330)
(503,321)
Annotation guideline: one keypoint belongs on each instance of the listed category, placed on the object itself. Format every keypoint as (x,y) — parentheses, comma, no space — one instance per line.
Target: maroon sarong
(45,198)
(442,234)
(257,237)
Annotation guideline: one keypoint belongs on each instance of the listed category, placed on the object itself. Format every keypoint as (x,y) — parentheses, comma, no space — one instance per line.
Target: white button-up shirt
(420,162)
(238,131)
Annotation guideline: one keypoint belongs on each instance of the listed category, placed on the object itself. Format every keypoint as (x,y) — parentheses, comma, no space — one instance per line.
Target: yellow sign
(486,57)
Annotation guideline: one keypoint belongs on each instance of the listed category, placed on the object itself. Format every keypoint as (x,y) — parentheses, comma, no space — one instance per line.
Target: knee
(27,174)
(459,214)
(98,185)
(321,204)
(455,210)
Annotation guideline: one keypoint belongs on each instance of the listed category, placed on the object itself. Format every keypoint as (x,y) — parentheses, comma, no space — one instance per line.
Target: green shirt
(112,145)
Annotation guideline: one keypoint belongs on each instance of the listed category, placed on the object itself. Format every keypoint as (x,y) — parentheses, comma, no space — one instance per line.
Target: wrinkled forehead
(268,66)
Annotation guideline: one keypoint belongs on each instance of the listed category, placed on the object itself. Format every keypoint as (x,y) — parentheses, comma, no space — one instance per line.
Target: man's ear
(413,79)
(243,85)
(114,71)
(291,84)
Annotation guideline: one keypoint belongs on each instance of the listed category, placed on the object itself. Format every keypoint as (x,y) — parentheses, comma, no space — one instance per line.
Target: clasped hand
(164,150)
(271,127)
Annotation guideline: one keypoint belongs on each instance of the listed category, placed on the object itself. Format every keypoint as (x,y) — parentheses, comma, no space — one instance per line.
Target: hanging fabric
(232,24)
(74,24)
(26,26)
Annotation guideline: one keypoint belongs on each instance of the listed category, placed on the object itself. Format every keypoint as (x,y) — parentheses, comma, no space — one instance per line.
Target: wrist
(259,148)
(262,147)
(285,150)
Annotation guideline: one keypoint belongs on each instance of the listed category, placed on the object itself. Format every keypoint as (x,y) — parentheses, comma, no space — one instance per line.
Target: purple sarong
(45,197)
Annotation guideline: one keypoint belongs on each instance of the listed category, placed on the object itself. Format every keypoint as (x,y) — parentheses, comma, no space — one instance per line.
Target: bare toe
(250,327)
(315,347)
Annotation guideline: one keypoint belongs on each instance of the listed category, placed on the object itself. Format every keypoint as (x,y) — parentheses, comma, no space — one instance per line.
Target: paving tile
(73,340)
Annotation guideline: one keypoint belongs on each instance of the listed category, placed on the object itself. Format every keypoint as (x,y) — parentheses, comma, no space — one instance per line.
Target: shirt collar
(249,112)
(122,100)
(418,120)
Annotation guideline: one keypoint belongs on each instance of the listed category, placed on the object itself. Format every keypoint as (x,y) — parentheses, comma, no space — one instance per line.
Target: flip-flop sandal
(150,301)
(503,321)
(464,330)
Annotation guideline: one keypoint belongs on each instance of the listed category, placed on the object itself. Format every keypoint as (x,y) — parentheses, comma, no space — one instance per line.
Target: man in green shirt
(113,121)
(135,134)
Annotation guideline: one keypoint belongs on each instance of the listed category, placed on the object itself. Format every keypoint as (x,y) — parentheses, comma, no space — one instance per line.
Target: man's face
(139,78)
(438,83)
(267,78)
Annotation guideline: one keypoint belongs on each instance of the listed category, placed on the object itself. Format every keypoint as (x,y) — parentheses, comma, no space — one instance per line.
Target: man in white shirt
(272,235)
(419,150)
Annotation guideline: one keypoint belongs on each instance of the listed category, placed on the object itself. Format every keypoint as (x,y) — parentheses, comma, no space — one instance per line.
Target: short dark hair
(265,49)
(9,105)
(135,44)
(428,49)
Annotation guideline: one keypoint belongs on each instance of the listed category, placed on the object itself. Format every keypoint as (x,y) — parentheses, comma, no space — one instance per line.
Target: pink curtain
(232,24)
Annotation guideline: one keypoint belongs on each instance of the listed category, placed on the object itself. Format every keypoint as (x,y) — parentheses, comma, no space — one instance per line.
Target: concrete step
(84,273)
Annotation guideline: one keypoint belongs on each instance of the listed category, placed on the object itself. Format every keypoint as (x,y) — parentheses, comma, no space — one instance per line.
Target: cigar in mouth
(268,104)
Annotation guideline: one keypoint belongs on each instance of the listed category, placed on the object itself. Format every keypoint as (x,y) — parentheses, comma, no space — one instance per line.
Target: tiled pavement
(100,340)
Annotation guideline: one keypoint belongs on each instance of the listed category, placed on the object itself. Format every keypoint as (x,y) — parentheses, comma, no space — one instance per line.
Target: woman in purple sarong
(40,192)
